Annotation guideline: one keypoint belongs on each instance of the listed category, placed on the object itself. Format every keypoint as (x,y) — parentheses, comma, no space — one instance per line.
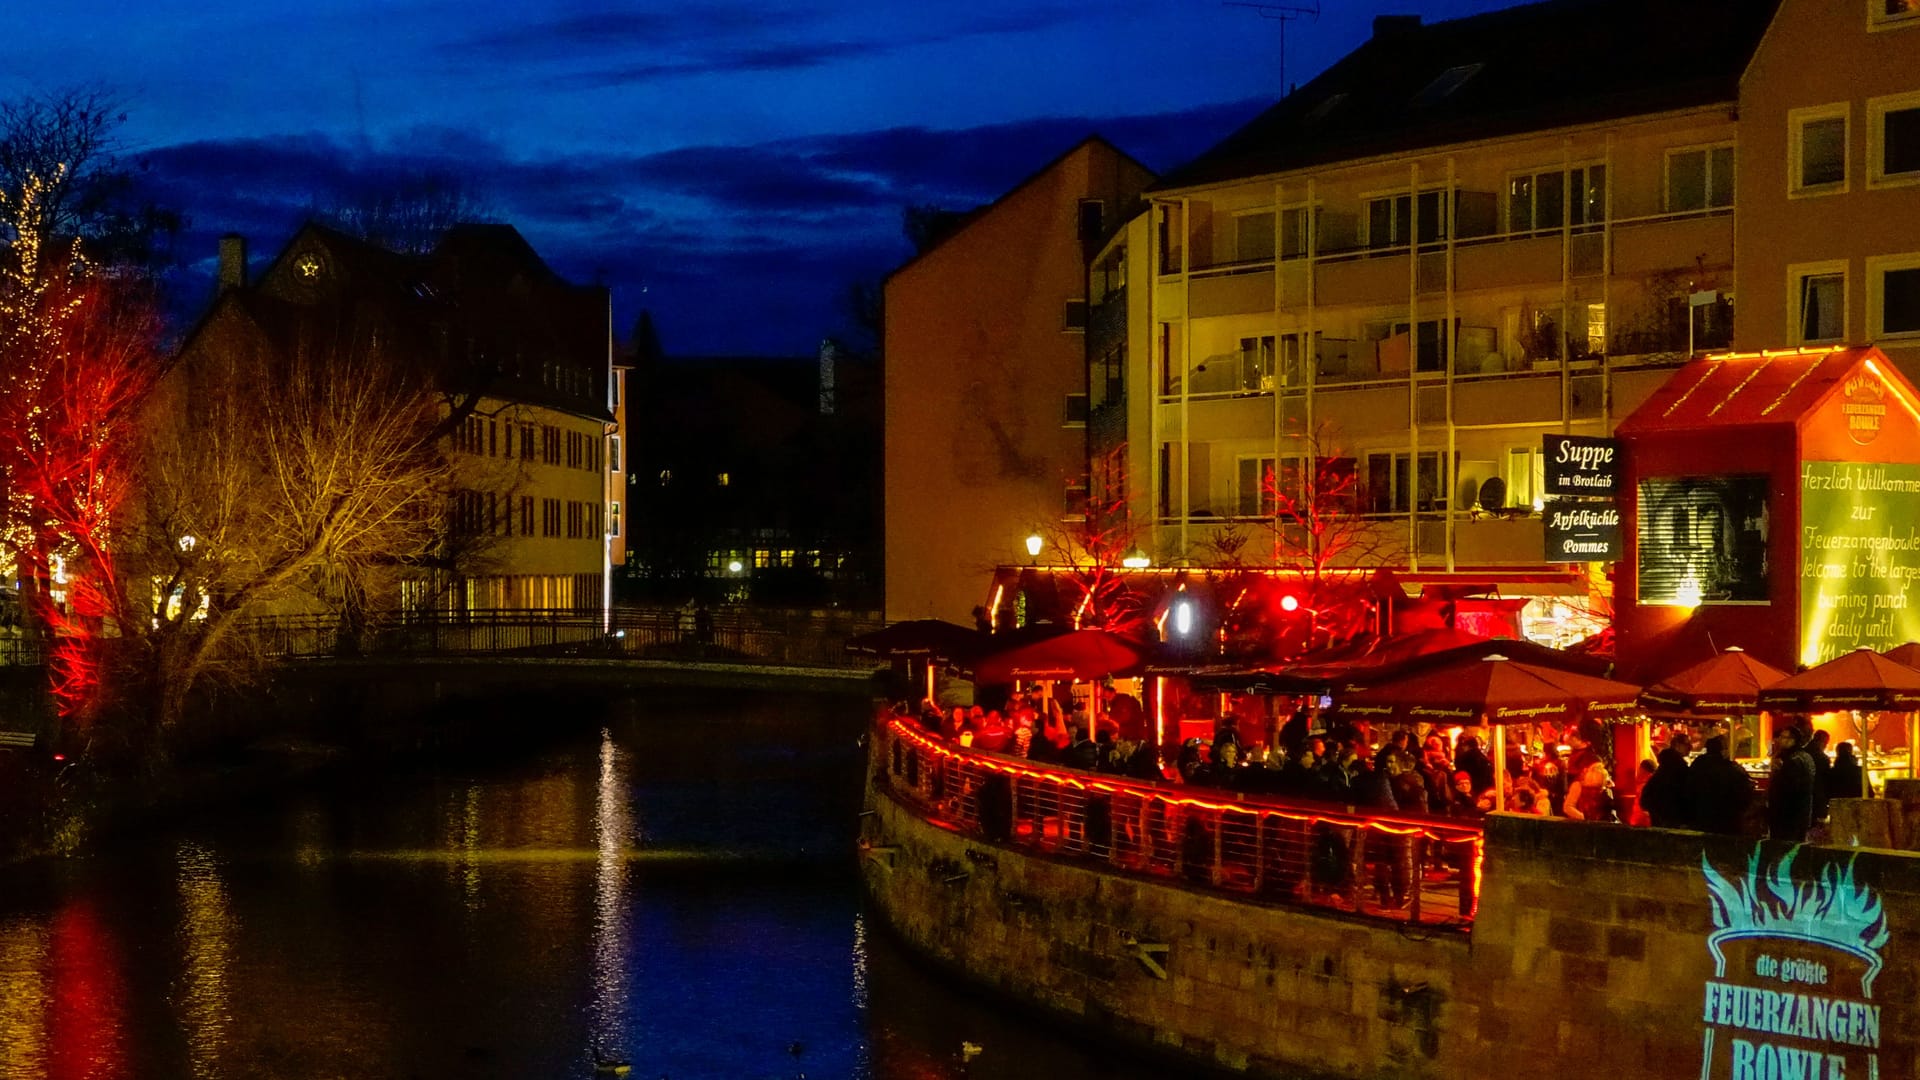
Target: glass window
(1293,232)
(1823,151)
(1900,142)
(1256,363)
(1074,413)
(1390,220)
(1700,179)
(1255,488)
(1823,307)
(1253,236)
(1900,301)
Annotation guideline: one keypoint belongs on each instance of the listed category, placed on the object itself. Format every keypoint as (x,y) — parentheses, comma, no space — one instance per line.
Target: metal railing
(1400,870)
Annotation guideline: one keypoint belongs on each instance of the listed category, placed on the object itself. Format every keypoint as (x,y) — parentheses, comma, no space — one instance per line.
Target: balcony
(1646,247)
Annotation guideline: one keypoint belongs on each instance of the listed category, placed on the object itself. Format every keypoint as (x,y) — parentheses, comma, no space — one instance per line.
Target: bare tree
(1321,539)
(407,212)
(1095,543)
(66,145)
(270,471)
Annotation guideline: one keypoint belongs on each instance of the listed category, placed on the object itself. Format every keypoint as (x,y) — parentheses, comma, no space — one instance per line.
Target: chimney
(1386,26)
(233,262)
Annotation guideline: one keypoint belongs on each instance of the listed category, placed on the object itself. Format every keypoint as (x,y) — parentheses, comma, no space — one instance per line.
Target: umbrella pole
(1499,766)
(1913,736)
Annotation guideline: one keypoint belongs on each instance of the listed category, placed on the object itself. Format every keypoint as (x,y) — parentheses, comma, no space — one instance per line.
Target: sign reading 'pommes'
(1581,465)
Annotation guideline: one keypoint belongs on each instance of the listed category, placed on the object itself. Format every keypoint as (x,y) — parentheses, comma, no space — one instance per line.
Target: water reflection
(612,827)
(509,918)
(206,931)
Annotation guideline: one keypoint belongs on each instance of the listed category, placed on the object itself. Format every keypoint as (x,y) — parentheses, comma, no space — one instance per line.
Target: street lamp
(1033,546)
(1135,559)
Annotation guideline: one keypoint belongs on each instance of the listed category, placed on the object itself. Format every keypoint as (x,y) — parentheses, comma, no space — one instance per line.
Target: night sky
(733,167)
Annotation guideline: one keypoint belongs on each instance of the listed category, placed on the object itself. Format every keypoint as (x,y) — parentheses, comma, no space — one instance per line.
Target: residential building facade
(1464,236)
(521,363)
(986,403)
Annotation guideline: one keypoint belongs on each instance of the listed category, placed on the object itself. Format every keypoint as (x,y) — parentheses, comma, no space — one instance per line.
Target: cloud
(598,49)
(703,235)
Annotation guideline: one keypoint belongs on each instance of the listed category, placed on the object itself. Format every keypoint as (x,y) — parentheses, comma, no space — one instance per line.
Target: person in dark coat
(1470,759)
(1717,790)
(1822,774)
(1664,797)
(1790,787)
(1847,776)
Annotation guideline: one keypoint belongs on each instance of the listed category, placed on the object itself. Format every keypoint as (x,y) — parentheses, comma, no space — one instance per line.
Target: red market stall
(1769,501)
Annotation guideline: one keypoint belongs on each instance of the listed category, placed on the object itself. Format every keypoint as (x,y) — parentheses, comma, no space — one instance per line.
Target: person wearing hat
(1790,787)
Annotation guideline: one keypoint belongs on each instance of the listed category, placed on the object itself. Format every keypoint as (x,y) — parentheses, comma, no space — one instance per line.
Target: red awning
(1727,685)
(1861,679)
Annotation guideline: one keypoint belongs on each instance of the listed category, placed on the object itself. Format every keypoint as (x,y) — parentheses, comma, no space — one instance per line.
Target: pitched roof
(1522,69)
(1744,390)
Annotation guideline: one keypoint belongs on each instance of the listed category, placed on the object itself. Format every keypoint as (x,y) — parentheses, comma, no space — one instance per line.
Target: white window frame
(1878,19)
(1368,198)
(1877,267)
(1567,198)
(1240,216)
(1877,110)
(1797,120)
(1795,273)
(1308,213)
(1259,493)
(1666,176)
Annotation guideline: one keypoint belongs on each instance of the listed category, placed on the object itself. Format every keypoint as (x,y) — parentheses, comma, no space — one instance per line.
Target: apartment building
(985,381)
(1828,180)
(524,356)
(1467,234)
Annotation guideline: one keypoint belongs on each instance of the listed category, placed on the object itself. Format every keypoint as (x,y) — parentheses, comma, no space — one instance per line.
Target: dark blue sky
(732,166)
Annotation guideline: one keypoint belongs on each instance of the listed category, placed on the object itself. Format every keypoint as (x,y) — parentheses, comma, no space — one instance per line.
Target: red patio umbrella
(1908,654)
(1491,690)
(1726,685)
(1861,679)
(917,638)
(1081,654)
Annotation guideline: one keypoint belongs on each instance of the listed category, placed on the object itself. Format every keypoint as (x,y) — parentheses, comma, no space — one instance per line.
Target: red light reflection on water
(85,997)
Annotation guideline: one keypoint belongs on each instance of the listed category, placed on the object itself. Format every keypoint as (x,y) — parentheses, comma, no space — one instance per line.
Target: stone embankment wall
(1590,958)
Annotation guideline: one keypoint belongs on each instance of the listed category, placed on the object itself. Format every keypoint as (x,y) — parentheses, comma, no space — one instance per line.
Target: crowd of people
(1564,774)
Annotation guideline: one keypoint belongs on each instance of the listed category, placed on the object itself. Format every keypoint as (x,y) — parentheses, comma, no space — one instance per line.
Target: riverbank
(1591,949)
(318,718)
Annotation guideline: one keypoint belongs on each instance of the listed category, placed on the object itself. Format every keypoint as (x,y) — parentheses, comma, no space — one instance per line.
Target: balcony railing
(1400,870)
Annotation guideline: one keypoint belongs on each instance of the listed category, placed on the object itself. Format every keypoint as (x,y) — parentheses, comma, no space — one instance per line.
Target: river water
(668,883)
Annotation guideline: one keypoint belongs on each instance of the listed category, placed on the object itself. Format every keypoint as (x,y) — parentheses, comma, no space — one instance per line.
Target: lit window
(1882,14)
(666,477)
(1893,140)
(723,479)
(613,519)
(1818,150)
(1699,179)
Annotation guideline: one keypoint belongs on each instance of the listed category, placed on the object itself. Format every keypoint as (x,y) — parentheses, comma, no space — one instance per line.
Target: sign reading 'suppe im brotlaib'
(1581,465)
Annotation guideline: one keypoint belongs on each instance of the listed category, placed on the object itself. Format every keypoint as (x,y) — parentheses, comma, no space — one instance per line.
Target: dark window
(1823,151)
(1901,141)
(1074,316)
(1090,226)
(1900,302)
(1076,410)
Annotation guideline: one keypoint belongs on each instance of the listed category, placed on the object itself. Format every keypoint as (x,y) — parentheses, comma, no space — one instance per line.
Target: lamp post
(1033,548)
(1135,559)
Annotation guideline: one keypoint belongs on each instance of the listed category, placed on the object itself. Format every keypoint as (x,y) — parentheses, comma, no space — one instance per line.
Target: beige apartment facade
(985,382)
(1829,180)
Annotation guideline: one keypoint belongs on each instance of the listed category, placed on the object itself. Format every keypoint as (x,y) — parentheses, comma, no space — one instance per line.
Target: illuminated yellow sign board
(1859,557)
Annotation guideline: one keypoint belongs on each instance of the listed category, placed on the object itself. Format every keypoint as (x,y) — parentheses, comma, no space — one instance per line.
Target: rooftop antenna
(1282,14)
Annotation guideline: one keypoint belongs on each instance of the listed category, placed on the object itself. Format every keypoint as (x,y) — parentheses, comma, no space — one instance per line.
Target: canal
(670,883)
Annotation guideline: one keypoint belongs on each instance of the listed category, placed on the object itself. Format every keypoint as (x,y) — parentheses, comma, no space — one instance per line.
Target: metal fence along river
(1403,870)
